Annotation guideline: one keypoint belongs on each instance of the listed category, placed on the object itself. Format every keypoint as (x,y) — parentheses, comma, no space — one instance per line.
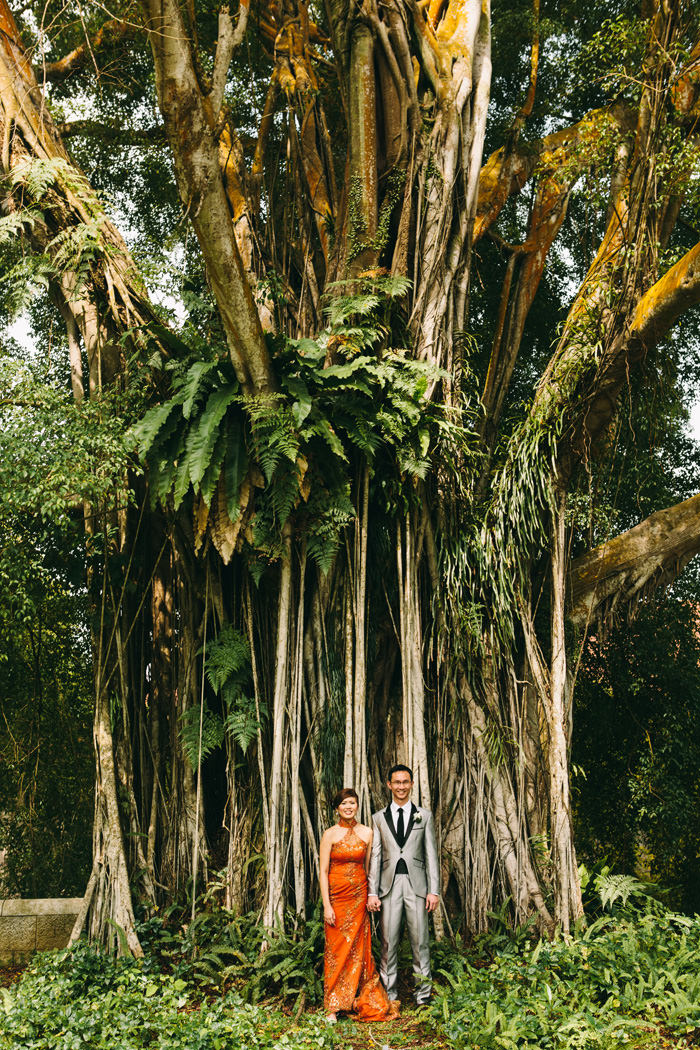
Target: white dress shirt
(406,813)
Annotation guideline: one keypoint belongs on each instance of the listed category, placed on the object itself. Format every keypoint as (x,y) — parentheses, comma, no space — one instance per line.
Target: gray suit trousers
(400,901)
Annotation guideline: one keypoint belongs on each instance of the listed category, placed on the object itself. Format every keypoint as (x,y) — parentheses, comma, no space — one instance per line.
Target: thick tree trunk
(460,689)
(190,121)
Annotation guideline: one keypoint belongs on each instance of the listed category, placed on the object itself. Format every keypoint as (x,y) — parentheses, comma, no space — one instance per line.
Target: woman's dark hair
(344,793)
(399,769)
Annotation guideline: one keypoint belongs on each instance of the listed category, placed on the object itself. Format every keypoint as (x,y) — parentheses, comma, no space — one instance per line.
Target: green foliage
(46,705)
(75,249)
(195,436)
(201,732)
(228,670)
(228,658)
(614,56)
(615,889)
(220,950)
(79,998)
(632,978)
(55,455)
(345,398)
(39,175)
(637,739)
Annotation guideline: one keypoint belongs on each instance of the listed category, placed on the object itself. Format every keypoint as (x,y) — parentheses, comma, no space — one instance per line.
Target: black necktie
(400,828)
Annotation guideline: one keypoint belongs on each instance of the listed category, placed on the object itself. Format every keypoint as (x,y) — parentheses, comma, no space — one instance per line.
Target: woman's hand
(329,915)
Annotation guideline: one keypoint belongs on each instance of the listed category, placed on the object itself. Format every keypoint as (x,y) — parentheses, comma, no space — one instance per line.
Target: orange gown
(351,981)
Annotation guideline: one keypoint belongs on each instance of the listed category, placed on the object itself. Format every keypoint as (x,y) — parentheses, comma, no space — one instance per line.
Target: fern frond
(12,225)
(348,305)
(212,733)
(202,436)
(235,467)
(190,390)
(227,656)
(274,434)
(146,430)
(212,474)
(241,720)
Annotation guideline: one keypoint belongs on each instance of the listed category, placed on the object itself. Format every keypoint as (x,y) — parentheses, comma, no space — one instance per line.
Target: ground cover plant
(631,978)
(81,998)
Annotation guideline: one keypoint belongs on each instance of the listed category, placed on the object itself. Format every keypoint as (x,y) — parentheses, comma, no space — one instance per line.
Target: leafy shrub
(632,971)
(79,998)
(636,746)
(220,950)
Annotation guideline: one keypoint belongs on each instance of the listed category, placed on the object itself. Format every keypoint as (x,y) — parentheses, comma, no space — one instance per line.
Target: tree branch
(509,168)
(229,40)
(659,308)
(655,314)
(113,132)
(190,126)
(109,34)
(115,301)
(633,564)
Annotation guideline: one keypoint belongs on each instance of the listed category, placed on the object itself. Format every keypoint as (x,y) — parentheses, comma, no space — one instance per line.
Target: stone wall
(28,926)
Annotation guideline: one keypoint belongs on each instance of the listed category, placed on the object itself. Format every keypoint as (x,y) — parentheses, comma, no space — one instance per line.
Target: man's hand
(373,903)
(431,902)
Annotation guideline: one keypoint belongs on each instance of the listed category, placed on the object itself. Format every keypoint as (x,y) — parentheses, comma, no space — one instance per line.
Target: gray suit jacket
(419,851)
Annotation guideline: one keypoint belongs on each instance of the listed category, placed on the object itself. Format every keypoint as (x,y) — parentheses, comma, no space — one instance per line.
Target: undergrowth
(630,979)
(220,951)
(80,998)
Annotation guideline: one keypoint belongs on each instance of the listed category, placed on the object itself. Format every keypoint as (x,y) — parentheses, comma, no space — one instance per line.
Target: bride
(351,981)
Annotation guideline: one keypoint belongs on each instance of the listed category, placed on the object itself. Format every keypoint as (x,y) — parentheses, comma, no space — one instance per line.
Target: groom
(404,879)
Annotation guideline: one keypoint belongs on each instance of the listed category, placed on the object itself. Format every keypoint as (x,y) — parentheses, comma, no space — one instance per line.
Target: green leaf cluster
(76,249)
(345,398)
(631,979)
(195,437)
(228,670)
(80,998)
(220,949)
(201,732)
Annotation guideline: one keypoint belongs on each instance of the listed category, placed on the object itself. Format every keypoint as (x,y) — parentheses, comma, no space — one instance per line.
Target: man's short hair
(399,769)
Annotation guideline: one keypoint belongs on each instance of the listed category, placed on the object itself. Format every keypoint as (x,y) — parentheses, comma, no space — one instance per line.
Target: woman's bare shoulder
(330,834)
(363,831)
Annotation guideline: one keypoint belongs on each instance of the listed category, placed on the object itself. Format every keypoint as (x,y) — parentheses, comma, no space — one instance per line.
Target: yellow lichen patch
(457,30)
(295,69)
(435,8)
(661,296)
(493,192)
(229,159)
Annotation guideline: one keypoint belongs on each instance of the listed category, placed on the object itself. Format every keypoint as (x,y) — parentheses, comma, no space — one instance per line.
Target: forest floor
(407,1032)
(411,1030)
(9,975)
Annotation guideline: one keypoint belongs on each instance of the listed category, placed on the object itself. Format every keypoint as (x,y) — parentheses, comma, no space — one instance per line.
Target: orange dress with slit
(351,981)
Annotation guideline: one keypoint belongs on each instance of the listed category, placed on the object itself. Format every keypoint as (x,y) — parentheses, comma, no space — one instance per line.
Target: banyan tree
(346,534)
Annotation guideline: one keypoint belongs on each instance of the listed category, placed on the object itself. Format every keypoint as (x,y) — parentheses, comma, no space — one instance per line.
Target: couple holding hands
(391,868)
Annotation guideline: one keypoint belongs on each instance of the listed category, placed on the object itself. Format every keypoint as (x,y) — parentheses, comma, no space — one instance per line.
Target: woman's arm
(324,862)
(368,851)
